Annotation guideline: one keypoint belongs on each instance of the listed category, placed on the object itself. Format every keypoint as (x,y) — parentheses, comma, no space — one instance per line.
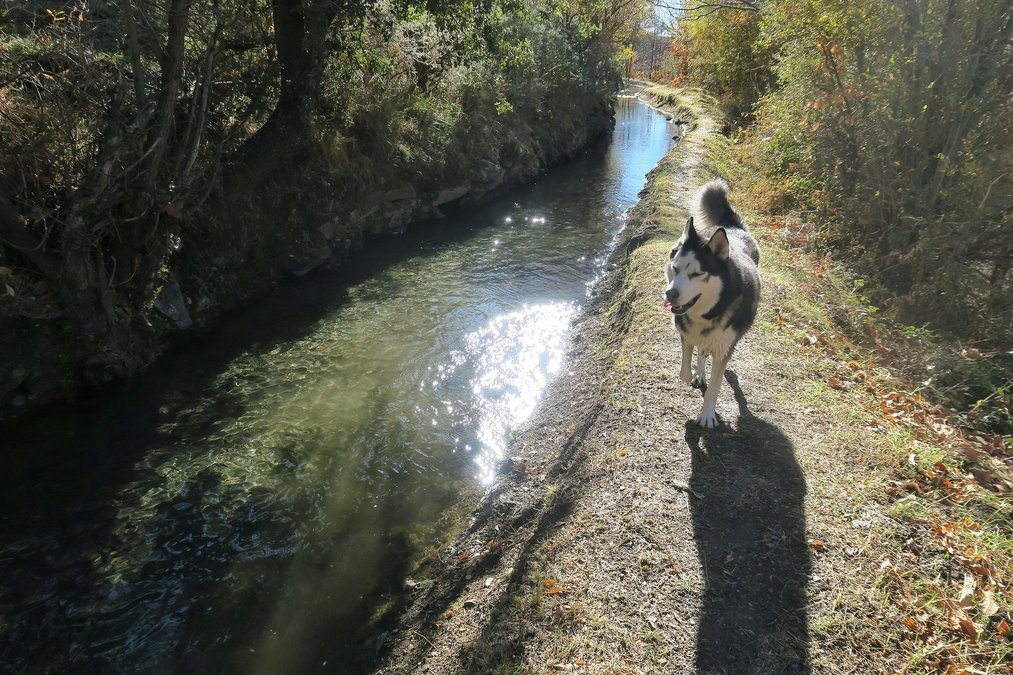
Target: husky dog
(713,290)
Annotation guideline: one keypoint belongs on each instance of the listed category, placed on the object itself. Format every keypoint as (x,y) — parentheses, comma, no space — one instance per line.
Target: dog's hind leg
(700,374)
(686,372)
(708,417)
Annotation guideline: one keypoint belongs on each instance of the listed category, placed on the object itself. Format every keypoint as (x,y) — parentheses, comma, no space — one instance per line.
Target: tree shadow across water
(749,527)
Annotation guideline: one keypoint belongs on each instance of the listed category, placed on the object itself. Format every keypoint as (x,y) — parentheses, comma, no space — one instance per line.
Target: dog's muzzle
(682,309)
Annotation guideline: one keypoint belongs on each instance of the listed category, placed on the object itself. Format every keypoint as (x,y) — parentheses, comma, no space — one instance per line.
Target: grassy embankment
(936,587)
(837,521)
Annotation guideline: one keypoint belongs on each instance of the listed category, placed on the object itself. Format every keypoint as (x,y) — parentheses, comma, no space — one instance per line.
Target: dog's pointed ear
(689,232)
(718,244)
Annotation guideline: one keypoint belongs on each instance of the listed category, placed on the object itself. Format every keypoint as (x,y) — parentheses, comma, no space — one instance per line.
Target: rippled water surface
(255,500)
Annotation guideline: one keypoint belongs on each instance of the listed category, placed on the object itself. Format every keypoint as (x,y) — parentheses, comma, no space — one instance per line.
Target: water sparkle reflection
(514,355)
(256,500)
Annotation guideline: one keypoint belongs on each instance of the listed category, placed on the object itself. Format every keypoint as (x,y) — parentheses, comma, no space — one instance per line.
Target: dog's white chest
(709,337)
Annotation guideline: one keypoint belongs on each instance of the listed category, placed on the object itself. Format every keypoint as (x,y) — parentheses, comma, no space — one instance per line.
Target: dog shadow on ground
(749,526)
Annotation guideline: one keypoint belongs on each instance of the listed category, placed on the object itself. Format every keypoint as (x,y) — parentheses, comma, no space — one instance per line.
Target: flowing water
(258,497)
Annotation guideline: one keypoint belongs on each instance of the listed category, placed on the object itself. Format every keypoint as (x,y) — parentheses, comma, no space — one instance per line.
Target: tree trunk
(148,237)
(300,27)
(15,233)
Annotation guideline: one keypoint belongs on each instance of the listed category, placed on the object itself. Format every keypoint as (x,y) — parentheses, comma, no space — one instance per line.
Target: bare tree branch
(699,9)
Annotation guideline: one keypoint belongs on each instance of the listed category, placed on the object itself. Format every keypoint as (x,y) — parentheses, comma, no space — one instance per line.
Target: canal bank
(261,224)
(483,596)
(807,533)
(273,486)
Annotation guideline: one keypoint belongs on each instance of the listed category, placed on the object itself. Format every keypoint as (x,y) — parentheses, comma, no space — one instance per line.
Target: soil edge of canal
(448,604)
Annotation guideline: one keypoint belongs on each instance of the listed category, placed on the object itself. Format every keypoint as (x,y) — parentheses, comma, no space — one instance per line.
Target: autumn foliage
(888,124)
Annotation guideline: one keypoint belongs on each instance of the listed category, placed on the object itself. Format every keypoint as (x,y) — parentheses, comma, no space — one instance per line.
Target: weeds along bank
(885,128)
(834,519)
(162,161)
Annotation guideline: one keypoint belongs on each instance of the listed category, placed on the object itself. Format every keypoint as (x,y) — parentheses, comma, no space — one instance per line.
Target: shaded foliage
(131,131)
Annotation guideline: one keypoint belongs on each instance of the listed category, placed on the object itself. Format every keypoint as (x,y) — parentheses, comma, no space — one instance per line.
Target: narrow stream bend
(253,500)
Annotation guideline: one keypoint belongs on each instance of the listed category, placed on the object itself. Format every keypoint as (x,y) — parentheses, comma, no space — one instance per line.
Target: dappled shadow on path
(749,526)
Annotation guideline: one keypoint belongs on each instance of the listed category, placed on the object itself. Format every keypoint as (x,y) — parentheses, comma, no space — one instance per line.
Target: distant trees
(719,41)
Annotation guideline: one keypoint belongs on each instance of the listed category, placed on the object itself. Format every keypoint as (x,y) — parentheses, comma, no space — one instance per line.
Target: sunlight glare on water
(255,502)
(515,355)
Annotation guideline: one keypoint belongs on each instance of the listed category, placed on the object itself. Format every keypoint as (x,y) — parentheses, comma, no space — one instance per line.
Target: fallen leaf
(1003,628)
(447,614)
(555,591)
(966,598)
(988,605)
(968,629)
(971,453)
(987,479)
(10,291)
(834,383)
(816,544)
(549,583)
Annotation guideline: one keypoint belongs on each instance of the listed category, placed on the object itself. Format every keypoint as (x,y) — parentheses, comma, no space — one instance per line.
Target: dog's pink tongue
(666,303)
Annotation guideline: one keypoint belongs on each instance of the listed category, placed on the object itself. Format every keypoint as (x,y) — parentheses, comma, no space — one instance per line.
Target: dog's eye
(694,275)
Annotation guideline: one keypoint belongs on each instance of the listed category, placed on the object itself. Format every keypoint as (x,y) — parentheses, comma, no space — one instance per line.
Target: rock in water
(172,306)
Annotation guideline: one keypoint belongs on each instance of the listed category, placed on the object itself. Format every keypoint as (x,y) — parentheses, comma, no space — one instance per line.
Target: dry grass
(811,532)
(939,487)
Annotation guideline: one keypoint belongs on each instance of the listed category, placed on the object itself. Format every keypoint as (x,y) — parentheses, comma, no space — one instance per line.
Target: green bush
(139,140)
(889,123)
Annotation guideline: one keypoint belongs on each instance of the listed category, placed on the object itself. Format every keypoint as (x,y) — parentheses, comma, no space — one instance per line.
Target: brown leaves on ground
(951,629)
(965,551)
(948,468)
(551,588)
(899,402)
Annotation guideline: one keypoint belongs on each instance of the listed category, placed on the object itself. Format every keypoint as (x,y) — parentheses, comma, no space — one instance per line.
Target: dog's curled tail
(715,207)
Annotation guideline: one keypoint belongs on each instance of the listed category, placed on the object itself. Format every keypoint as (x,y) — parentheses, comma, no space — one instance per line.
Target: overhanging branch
(698,10)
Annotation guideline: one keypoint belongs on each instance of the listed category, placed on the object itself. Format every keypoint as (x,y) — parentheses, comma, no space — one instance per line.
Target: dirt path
(623,538)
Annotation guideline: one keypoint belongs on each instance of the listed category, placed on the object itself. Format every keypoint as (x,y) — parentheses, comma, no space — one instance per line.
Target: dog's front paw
(708,419)
(686,377)
(699,381)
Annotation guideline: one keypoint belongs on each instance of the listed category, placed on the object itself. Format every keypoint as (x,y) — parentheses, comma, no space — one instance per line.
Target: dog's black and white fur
(713,283)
